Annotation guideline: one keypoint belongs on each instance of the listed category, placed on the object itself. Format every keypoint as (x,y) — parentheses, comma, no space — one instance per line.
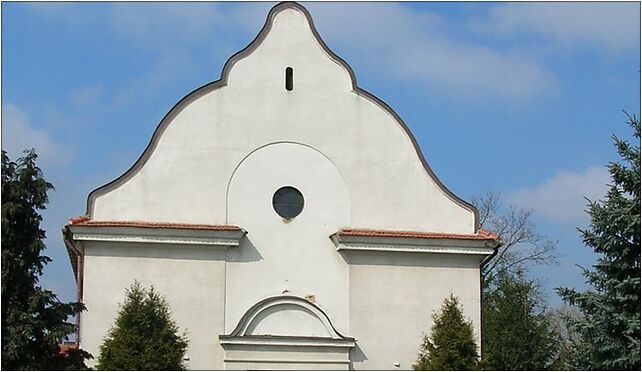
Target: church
(287,216)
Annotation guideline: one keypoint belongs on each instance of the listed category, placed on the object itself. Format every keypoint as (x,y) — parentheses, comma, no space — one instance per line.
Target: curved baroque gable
(204,137)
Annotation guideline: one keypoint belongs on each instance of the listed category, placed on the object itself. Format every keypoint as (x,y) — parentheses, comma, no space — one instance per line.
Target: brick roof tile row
(80,221)
(481,234)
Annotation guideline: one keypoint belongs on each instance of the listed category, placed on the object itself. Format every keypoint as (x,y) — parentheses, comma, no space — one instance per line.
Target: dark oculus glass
(287,202)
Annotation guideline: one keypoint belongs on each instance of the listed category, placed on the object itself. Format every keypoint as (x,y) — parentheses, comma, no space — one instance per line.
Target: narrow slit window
(289,79)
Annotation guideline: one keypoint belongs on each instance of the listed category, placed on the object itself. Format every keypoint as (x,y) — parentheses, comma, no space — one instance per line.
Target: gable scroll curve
(223,81)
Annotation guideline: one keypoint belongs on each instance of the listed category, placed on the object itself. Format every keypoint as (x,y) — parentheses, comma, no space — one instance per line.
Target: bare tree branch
(521,243)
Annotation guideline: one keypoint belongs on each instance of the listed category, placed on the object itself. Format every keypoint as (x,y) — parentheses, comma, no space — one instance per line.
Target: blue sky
(517,98)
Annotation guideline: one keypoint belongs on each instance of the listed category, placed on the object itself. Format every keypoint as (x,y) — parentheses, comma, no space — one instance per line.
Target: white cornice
(287,361)
(215,238)
(287,341)
(412,245)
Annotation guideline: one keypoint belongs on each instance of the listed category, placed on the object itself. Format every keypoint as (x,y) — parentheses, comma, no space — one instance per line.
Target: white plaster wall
(221,159)
(192,280)
(296,255)
(200,148)
(393,297)
(297,358)
(263,366)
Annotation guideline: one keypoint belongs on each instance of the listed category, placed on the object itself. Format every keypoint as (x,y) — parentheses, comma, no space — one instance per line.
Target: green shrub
(144,337)
(451,345)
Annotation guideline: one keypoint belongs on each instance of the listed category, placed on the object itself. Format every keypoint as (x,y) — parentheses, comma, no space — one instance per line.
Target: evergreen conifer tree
(34,321)
(451,345)
(144,337)
(518,331)
(609,327)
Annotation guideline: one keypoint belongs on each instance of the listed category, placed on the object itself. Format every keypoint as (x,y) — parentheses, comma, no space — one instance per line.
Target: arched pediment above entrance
(286,332)
(285,316)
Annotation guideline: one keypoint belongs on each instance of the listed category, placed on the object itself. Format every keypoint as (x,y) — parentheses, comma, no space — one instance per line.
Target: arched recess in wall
(285,163)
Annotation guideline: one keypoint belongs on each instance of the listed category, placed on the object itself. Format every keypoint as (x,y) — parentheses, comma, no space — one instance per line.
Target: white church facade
(287,216)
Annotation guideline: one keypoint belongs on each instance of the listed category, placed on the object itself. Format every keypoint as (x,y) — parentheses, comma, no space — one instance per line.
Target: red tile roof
(488,234)
(481,234)
(66,348)
(80,221)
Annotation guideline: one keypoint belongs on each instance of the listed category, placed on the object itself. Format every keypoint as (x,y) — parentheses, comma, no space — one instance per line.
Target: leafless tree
(521,243)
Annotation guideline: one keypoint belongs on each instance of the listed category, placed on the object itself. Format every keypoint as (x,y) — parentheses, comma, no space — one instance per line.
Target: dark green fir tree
(34,321)
(451,345)
(519,333)
(144,337)
(609,325)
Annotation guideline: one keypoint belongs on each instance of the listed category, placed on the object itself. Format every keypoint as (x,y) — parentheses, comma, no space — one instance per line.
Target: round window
(287,202)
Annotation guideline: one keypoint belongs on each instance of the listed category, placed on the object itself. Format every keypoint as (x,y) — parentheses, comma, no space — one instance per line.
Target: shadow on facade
(245,252)
(410,259)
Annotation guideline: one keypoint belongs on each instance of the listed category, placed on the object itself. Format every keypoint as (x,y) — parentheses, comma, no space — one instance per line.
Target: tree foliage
(571,345)
(451,345)
(609,327)
(512,304)
(144,337)
(519,333)
(34,321)
(521,243)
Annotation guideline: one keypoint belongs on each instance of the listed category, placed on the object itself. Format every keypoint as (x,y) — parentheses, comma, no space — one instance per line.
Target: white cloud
(416,46)
(561,197)
(18,134)
(86,95)
(399,42)
(396,41)
(164,23)
(610,25)
(145,24)
(71,14)
(167,68)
